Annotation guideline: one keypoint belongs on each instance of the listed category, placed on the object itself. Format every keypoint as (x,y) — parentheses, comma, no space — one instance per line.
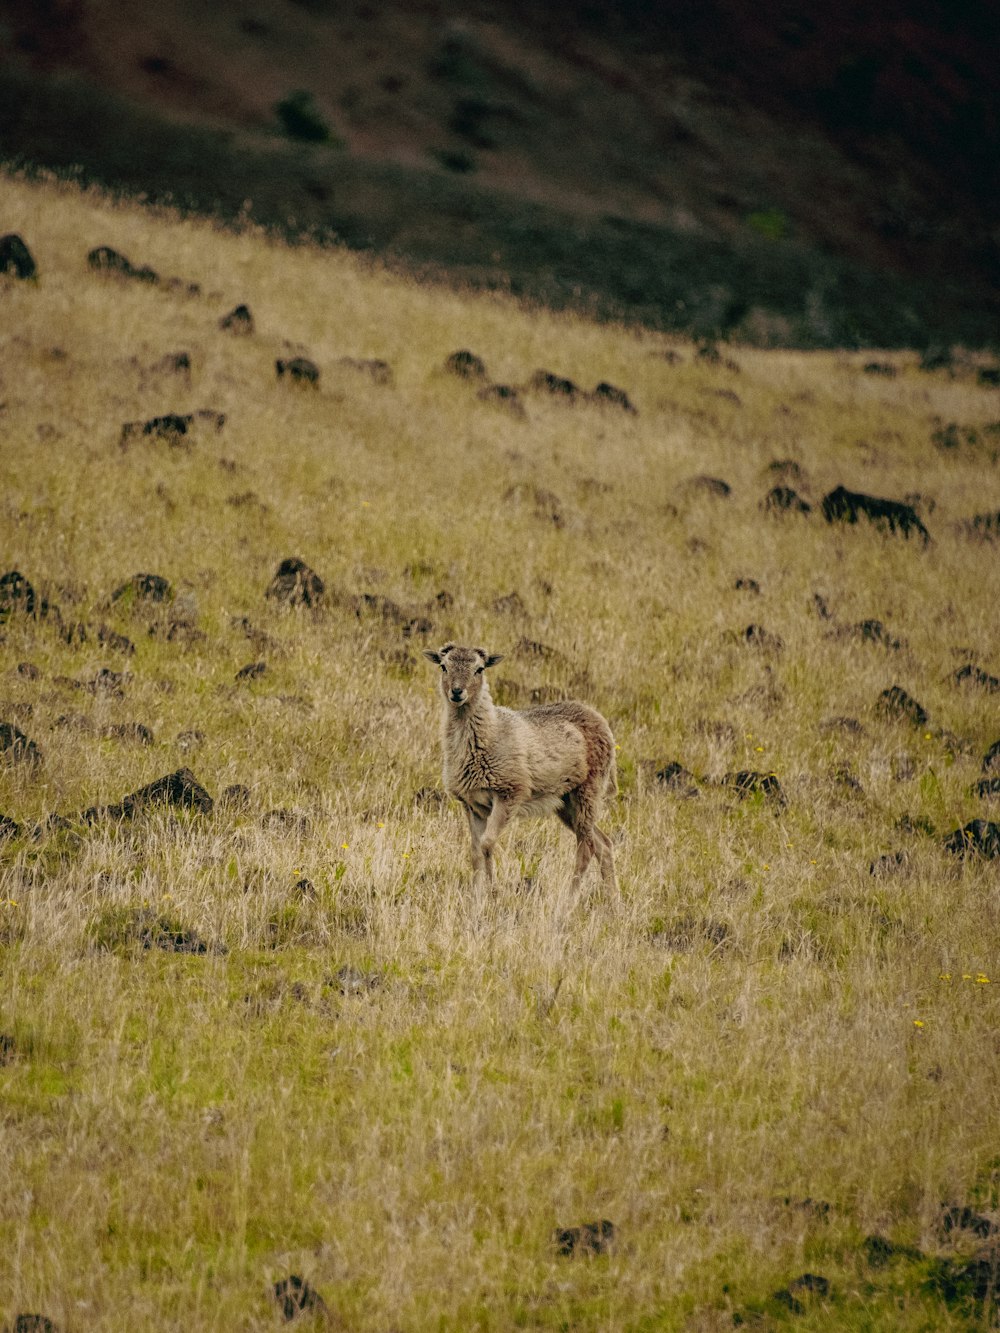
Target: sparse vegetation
(266,1051)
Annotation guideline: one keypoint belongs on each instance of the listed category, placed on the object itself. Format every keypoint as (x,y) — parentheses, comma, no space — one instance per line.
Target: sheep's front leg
(495,824)
(482,859)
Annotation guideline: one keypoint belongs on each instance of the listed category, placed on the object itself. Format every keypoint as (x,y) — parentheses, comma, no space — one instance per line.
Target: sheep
(557,759)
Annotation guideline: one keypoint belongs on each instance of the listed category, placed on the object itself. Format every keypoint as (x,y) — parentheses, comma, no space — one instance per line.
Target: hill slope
(284,1035)
(815,180)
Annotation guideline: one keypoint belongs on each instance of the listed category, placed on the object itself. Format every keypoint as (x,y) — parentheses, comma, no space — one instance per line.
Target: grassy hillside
(286,1037)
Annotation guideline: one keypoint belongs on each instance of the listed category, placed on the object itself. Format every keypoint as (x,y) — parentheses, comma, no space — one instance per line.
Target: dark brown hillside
(802,174)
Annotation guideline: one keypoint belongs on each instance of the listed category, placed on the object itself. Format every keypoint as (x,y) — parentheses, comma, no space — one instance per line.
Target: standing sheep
(555,759)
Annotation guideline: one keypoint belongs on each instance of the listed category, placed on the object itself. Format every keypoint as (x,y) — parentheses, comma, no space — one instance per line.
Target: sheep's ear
(432,656)
(447,648)
(491,659)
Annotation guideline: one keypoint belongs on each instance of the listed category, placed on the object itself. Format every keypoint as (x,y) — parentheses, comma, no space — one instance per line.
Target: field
(287,1036)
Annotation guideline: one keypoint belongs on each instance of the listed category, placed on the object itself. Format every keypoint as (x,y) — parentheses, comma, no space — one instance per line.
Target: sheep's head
(462,679)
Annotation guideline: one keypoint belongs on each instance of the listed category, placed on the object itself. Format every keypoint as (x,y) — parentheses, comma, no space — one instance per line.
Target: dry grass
(756,1056)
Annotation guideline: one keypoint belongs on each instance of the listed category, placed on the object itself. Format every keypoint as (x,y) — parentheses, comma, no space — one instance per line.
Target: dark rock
(612,396)
(280,818)
(976,676)
(967,1219)
(295,1297)
(74,632)
(106,681)
(890,864)
(116,642)
(709,486)
(986,526)
(843,777)
(908,823)
(173,363)
(758,637)
(783,500)
(298,370)
(16,594)
(379,372)
(979,837)
(846,506)
(29,671)
(15,745)
(208,416)
(105,260)
(591,1239)
(33,1323)
(510,605)
(502,395)
(676,778)
(466,365)
(873,631)
(786,470)
(973,1280)
(820,606)
(546,504)
(252,671)
(750,783)
(8,1049)
(544,381)
(9,828)
(295,583)
(159,932)
(188,740)
(895,702)
(747,585)
(879,1251)
(173,427)
(991,759)
(989,376)
(238,321)
(143,588)
(305,887)
(884,368)
(352,981)
(15,257)
(988,787)
(235,797)
(129,731)
(180,789)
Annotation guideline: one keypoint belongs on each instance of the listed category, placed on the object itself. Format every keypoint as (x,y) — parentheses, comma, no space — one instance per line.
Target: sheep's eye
(479,671)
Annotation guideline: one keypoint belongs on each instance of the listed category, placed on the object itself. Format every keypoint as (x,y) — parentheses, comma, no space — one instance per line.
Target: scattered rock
(976,1279)
(181,789)
(173,363)
(843,777)
(747,585)
(985,526)
(510,605)
(295,1297)
(819,605)
(842,505)
(681,935)
(129,731)
(783,500)
(879,1251)
(709,486)
(235,797)
(758,637)
(352,981)
(991,759)
(980,837)
(466,365)
(16,594)
(884,368)
(544,381)
(379,372)
(116,642)
(28,671)
(15,745)
(967,1219)
(305,888)
(292,821)
(159,932)
(903,767)
(787,470)
(252,671)
(749,783)
(143,588)
(610,395)
(9,828)
(502,395)
(295,583)
(988,787)
(977,677)
(675,777)
(239,321)
(889,864)
(593,1238)
(298,370)
(106,681)
(105,260)
(32,1323)
(15,257)
(808,1285)
(868,631)
(546,504)
(895,702)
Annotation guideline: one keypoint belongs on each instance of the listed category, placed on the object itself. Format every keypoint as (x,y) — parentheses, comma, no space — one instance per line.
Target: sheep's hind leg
(607,859)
